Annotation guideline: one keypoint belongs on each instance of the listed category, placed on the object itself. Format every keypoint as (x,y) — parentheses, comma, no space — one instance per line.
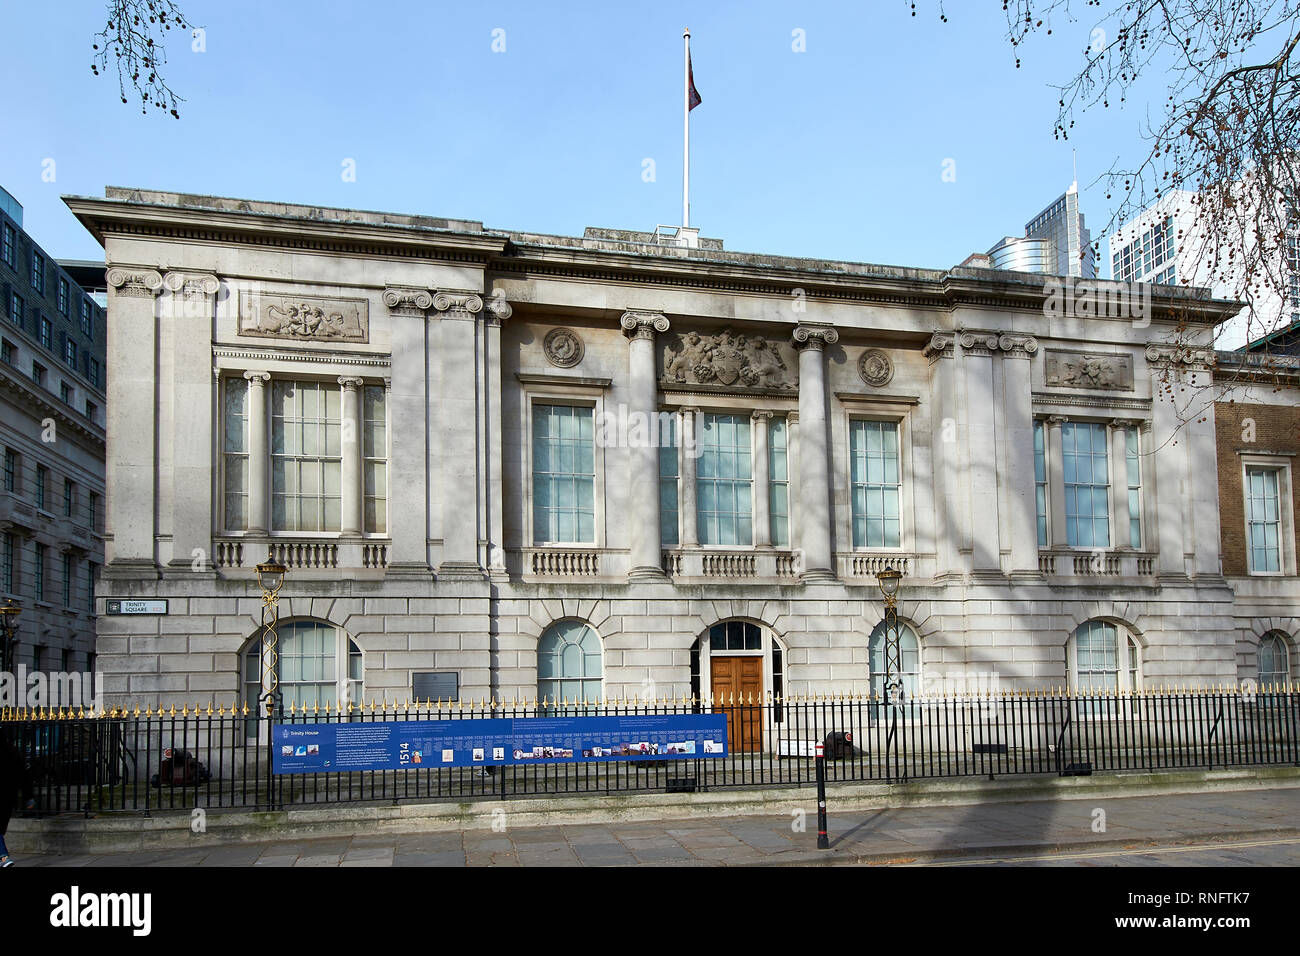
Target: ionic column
(131,421)
(350,485)
(689,457)
(762,517)
(1119,515)
(1056,479)
(814,453)
(408,418)
(259,472)
(643,459)
(459,313)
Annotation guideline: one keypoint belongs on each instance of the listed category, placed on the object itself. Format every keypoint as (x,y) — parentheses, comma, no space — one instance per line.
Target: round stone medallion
(875,367)
(563,348)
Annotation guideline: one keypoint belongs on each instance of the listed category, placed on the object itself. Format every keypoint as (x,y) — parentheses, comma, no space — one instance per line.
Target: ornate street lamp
(270,578)
(889,580)
(9,634)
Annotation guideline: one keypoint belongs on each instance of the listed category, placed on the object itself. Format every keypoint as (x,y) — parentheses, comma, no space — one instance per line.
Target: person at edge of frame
(14,779)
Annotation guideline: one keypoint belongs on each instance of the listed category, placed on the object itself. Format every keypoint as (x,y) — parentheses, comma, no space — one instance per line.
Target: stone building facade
(606,467)
(52,408)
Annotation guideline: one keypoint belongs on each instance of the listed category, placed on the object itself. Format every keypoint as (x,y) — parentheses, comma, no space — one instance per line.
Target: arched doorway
(738,664)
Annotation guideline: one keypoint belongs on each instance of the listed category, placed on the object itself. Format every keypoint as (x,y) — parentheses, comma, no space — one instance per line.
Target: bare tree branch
(134,36)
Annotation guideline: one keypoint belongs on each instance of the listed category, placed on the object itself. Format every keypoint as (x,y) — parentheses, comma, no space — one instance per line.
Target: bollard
(822,842)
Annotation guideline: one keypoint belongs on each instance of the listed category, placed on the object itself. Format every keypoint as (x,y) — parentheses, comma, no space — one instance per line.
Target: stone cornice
(31,395)
(1090,401)
(299,355)
(111,217)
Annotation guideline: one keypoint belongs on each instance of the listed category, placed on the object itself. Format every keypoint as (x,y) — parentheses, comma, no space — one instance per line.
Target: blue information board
(430,744)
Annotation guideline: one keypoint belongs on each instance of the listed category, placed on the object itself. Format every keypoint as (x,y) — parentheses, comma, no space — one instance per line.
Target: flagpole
(686,128)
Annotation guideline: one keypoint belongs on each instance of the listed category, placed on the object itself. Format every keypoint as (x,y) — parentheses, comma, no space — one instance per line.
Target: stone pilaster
(191,308)
(408,417)
(690,536)
(643,460)
(497,314)
(458,434)
(978,349)
(131,415)
(1014,449)
(814,451)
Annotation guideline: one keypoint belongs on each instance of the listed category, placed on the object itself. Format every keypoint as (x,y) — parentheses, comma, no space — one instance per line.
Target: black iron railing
(205,757)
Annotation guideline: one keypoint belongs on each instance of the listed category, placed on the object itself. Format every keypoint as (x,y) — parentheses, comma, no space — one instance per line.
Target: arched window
(568,663)
(1273,660)
(1103,657)
(316,663)
(909,647)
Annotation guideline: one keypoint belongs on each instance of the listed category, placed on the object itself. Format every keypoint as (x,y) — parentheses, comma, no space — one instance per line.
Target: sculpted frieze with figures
(728,358)
(303,317)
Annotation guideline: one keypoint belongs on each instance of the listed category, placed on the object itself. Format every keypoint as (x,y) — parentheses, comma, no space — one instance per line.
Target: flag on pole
(692,94)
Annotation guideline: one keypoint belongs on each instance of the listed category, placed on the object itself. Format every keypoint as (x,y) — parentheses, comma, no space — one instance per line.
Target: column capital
(258,378)
(351,382)
(978,342)
(498,309)
(135,281)
(791,418)
(939,346)
(459,304)
(1126,422)
(762,415)
(1180,355)
(401,300)
(1017,346)
(815,335)
(1057,419)
(192,284)
(643,325)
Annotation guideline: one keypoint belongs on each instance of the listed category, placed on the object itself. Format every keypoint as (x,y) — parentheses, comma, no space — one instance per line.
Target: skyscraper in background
(1056,242)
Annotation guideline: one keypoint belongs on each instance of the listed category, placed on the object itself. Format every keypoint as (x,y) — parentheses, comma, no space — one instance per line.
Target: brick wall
(1276,428)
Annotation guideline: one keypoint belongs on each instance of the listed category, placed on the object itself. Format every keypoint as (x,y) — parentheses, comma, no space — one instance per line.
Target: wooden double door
(733,680)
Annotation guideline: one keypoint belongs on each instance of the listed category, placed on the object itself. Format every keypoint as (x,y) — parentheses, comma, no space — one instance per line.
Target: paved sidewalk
(907,835)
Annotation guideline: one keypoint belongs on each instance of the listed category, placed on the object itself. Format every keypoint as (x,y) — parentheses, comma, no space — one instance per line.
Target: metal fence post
(822,842)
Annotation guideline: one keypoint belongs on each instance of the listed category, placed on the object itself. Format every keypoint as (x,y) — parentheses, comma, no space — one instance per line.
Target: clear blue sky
(836,152)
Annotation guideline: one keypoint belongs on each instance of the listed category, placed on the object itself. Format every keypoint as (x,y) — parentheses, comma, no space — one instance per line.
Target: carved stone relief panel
(1089,370)
(728,359)
(303,317)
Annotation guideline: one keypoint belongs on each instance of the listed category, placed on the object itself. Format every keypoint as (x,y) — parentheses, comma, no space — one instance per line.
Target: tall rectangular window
(38,570)
(93,374)
(87,319)
(564,475)
(778,482)
(70,352)
(47,333)
(1087,483)
(725,481)
(91,568)
(69,497)
(7,244)
(668,494)
(1133,468)
(1040,481)
(873,452)
(38,374)
(38,272)
(63,296)
(306,456)
(7,581)
(374,441)
(234,448)
(65,393)
(16,309)
(11,470)
(67,579)
(1263,520)
(93,508)
(7,352)
(42,474)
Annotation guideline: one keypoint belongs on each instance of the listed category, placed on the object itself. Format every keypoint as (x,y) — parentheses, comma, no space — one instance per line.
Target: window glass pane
(873,452)
(563,474)
(1263,526)
(1085,470)
(724,483)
